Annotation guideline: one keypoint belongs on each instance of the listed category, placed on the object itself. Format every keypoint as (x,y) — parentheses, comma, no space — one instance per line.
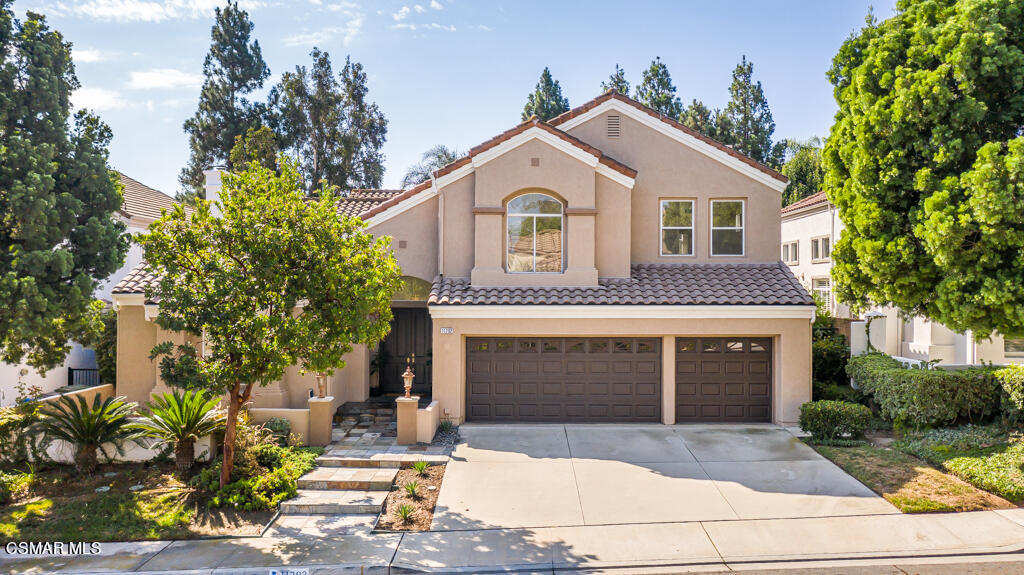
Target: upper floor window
(821,249)
(823,291)
(727,227)
(1013,347)
(791,252)
(534,229)
(677,227)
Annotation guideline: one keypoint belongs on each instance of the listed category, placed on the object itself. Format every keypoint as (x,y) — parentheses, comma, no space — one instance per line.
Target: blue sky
(455,72)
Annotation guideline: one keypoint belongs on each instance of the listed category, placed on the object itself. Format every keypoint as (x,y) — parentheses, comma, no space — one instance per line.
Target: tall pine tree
(617,81)
(701,118)
(656,90)
(365,129)
(747,123)
(233,68)
(546,100)
(57,196)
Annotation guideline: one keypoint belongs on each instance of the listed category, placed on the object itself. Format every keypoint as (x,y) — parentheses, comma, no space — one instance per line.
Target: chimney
(212,188)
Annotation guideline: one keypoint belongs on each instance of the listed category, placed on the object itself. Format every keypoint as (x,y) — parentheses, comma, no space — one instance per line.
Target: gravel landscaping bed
(428,486)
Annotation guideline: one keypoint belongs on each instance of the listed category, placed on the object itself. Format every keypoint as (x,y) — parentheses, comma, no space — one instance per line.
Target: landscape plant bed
(422,504)
(909,483)
(62,505)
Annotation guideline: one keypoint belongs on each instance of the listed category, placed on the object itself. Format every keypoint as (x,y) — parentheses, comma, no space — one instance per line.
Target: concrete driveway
(503,476)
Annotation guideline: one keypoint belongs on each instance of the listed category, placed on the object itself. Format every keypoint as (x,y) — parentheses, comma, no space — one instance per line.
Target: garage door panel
(564,379)
(732,380)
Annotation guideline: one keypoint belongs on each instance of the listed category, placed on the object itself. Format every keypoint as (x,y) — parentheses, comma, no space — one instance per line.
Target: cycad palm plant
(180,419)
(90,429)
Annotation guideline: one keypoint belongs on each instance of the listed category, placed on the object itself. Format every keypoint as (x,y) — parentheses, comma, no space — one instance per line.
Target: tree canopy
(746,123)
(57,196)
(925,162)
(432,160)
(546,100)
(235,282)
(617,81)
(657,91)
(802,165)
(233,70)
(701,118)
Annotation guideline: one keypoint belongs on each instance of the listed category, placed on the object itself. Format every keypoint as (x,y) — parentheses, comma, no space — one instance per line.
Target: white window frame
(692,228)
(742,228)
(816,290)
(794,252)
(816,245)
(561,216)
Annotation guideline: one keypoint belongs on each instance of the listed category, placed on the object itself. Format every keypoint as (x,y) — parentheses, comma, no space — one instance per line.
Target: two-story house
(610,265)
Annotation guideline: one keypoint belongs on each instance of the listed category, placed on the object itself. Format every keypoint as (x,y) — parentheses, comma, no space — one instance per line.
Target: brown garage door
(563,379)
(723,379)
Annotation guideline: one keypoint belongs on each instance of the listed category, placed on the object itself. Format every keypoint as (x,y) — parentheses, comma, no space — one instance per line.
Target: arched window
(534,227)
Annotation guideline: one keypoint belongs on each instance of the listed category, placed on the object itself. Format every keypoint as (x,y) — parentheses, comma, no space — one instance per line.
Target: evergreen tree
(58,238)
(749,125)
(617,81)
(803,168)
(365,130)
(546,100)
(233,68)
(701,118)
(433,159)
(656,90)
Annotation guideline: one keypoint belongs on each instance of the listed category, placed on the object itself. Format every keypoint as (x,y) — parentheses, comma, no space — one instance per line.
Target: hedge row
(920,397)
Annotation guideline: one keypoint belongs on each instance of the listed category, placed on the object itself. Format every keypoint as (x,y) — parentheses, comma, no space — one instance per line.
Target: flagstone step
(332,502)
(351,478)
(380,460)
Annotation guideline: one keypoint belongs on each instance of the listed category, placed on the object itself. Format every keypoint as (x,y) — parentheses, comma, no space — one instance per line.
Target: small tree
(89,428)
(180,419)
(546,100)
(617,81)
(276,281)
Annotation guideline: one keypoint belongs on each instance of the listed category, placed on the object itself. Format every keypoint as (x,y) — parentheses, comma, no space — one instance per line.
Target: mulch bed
(423,503)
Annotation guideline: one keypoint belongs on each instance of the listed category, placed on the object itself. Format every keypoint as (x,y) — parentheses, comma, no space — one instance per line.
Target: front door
(407,344)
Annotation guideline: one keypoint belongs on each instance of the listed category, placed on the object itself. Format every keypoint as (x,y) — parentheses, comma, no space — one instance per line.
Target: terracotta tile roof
(536,123)
(142,201)
(372,194)
(650,284)
(137,280)
(612,94)
(811,200)
(392,200)
(359,201)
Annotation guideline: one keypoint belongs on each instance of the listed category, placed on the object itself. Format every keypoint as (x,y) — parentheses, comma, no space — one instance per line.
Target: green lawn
(984,456)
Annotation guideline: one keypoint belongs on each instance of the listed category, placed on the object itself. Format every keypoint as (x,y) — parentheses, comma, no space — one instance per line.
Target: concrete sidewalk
(711,546)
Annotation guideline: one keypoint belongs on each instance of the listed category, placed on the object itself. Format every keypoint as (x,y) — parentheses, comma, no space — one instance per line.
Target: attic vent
(613,126)
(534,162)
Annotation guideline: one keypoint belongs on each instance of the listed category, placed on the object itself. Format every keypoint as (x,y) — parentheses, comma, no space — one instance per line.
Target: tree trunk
(184,456)
(228,462)
(85,458)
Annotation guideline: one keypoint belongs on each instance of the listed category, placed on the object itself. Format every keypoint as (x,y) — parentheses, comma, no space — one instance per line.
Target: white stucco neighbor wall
(804,225)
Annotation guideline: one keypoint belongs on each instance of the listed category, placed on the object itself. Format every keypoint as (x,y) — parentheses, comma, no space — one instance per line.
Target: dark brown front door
(534,379)
(408,343)
(727,379)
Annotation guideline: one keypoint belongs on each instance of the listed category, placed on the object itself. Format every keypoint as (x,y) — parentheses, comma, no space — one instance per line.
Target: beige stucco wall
(791,345)
(612,236)
(136,337)
(417,227)
(668,169)
(458,227)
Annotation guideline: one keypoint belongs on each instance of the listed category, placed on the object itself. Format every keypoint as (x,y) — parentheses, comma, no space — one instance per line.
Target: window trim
(1011,354)
(815,290)
(816,241)
(742,228)
(794,253)
(561,231)
(692,228)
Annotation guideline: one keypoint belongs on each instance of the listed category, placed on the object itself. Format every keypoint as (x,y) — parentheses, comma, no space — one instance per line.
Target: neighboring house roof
(812,200)
(142,201)
(650,284)
(137,280)
(613,95)
(394,199)
(361,201)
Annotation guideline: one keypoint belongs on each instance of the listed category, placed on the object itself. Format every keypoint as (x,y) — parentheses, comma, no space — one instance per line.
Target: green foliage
(405,512)
(832,420)
(281,428)
(925,397)
(234,69)
(432,160)
(89,428)
(656,90)
(11,484)
(925,162)
(262,486)
(411,488)
(829,356)
(106,348)
(1011,383)
(701,118)
(804,169)
(420,467)
(325,121)
(259,144)
(20,442)
(617,81)
(180,419)
(746,124)
(546,100)
(446,425)
(57,195)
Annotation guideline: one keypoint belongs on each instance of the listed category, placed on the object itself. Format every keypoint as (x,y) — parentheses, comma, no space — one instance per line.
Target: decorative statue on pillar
(409,375)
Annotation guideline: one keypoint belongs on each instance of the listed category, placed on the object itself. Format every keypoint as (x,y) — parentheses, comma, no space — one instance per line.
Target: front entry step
(317,502)
(349,478)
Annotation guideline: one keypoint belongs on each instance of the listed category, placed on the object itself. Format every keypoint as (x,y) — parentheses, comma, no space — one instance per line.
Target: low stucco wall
(299,418)
(791,340)
(427,420)
(104,391)
(63,452)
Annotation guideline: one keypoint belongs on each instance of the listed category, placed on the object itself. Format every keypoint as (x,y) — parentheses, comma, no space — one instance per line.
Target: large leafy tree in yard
(57,195)
(325,121)
(657,91)
(433,159)
(925,162)
(746,124)
(233,70)
(546,100)
(276,281)
(803,168)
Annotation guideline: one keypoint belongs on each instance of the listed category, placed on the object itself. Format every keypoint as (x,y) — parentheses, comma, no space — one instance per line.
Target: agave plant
(90,429)
(180,419)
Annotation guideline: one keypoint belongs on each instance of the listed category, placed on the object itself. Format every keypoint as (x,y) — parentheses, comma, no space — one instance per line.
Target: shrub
(12,484)
(1011,383)
(405,512)
(179,419)
(830,420)
(270,478)
(20,443)
(925,397)
(281,428)
(412,488)
(828,360)
(90,429)
(420,467)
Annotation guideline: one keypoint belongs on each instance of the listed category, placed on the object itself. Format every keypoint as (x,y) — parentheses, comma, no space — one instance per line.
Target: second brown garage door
(723,379)
(563,379)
